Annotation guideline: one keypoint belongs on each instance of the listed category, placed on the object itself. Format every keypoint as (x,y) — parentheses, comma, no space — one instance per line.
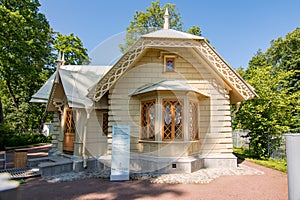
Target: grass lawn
(277,164)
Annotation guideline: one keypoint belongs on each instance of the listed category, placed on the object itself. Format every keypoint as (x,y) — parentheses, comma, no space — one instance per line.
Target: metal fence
(276,145)
(277,148)
(240,139)
(47,129)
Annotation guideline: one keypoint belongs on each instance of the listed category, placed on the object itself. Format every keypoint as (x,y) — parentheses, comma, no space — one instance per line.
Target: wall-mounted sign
(120,153)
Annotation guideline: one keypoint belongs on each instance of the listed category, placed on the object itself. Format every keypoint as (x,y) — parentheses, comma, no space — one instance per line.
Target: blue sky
(236,28)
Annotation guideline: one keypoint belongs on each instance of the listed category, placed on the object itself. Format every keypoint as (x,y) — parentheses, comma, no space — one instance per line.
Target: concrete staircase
(58,164)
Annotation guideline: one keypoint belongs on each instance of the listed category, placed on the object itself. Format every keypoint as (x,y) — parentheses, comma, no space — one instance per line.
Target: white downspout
(84,139)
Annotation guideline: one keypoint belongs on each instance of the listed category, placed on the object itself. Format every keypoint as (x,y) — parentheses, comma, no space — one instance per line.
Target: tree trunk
(1,113)
(12,95)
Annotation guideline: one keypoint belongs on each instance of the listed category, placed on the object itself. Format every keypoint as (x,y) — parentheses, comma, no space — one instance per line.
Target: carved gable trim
(125,62)
(226,71)
(230,76)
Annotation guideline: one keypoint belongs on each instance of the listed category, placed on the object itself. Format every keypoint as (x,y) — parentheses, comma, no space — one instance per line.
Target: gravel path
(198,177)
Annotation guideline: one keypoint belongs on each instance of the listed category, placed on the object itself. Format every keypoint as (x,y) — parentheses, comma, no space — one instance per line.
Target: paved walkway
(271,184)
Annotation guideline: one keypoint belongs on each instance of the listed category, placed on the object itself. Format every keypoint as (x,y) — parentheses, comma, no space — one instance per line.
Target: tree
(25,59)
(284,54)
(267,116)
(1,113)
(195,30)
(72,47)
(274,74)
(153,19)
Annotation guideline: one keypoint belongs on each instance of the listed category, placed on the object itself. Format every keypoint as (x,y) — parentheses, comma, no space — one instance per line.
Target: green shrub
(22,139)
(4,129)
(5,134)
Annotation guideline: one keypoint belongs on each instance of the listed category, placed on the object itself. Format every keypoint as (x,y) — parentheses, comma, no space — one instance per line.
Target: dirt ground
(271,185)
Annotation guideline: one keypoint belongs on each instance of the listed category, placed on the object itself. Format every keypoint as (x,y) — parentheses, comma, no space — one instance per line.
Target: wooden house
(172,88)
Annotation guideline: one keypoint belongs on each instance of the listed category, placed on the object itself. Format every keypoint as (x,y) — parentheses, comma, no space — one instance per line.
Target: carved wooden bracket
(59,104)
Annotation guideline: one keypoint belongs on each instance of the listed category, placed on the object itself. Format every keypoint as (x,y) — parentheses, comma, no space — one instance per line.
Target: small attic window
(169,63)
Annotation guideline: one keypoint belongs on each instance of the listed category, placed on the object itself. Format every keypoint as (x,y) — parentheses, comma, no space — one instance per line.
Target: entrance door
(69,131)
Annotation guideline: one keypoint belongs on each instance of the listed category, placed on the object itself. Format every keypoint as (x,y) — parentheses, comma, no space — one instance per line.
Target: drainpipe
(84,139)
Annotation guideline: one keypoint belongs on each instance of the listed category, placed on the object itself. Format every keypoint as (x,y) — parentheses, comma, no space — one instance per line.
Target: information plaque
(120,158)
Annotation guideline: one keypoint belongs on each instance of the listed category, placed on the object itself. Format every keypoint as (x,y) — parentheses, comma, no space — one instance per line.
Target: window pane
(152,121)
(167,113)
(178,114)
(148,120)
(105,124)
(193,120)
(170,67)
(69,123)
(173,124)
(170,64)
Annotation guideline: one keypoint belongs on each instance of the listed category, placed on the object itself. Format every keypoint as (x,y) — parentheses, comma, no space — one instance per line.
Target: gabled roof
(75,79)
(172,38)
(42,95)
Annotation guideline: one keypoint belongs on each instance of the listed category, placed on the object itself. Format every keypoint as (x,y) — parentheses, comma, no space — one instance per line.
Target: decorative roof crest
(60,60)
(166,24)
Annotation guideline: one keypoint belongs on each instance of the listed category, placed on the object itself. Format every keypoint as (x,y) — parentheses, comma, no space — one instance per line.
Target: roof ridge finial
(63,58)
(166,24)
(60,59)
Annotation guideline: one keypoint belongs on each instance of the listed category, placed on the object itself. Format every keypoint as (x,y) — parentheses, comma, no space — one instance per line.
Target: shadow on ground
(37,188)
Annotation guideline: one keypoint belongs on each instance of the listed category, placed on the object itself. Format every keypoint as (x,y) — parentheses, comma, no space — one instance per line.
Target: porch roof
(75,79)
(168,85)
(42,95)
